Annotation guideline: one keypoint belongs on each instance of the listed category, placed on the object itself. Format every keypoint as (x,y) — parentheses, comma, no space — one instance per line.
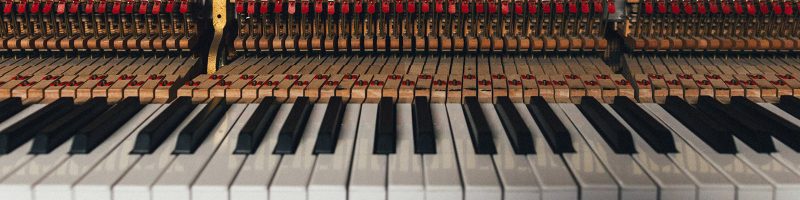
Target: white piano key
(594,180)
(220,171)
(784,153)
(58,185)
(294,171)
(481,181)
(516,174)
(97,183)
(19,185)
(634,183)
(711,183)
(368,172)
(442,176)
(175,182)
(9,163)
(672,182)
(749,185)
(329,179)
(550,168)
(138,181)
(785,182)
(258,169)
(405,168)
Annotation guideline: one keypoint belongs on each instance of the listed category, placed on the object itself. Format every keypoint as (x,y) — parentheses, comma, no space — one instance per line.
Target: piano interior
(399,99)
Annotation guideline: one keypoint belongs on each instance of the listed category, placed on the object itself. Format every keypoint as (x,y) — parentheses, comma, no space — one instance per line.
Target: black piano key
(424,135)
(329,129)
(741,124)
(100,129)
(518,134)
(654,133)
(59,131)
(780,128)
(256,127)
(385,127)
(711,132)
(790,104)
(154,134)
(21,132)
(616,136)
(554,131)
(479,130)
(190,137)
(292,130)
(10,107)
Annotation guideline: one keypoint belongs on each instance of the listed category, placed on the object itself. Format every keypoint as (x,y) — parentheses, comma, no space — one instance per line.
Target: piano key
(330,176)
(711,183)
(97,131)
(739,123)
(518,135)
(749,185)
(405,180)
(175,181)
(480,179)
(213,181)
(548,166)
(424,134)
(781,129)
(790,105)
(671,181)
(784,153)
(58,185)
(97,183)
(786,183)
(59,131)
(386,127)
(634,184)
(329,130)
(655,134)
(292,131)
(13,160)
(10,107)
(701,125)
(516,174)
(441,170)
(614,134)
(553,130)
(252,134)
(23,130)
(479,131)
(137,182)
(258,169)
(154,134)
(368,171)
(294,171)
(190,138)
(593,178)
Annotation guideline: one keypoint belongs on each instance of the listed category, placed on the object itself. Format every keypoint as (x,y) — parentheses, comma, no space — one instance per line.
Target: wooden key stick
(405,94)
(782,86)
(704,85)
(792,82)
(769,92)
(359,92)
(424,85)
(469,86)
(329,87)
(34,90)
(515,88)
(345,87)
(546,89)
(53,92)
(84,92)
(313,89)
(675,88)
(249,92)
(281,91)
(721,91)
(439,90)
(234,92)
(608,90)
(644,88)
(592,87)
(499,86)
(560,89)
(201,92)
(218,90)
(186,89)
(268,88)
(530,87)
(167,88)
(576,87)
(147,92)
(733,85)
(392,86)
(690,89)
(71,88)
(299,86)
(9,83)
(751,89)
(375,88)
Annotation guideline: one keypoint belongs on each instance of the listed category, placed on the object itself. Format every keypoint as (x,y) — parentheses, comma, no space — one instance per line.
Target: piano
(399,100)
